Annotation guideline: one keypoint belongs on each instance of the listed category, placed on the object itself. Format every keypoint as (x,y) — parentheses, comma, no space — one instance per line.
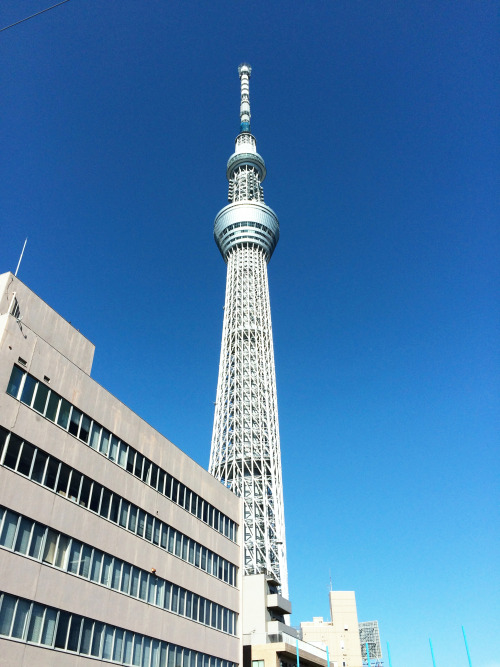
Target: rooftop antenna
(20,258)
(331,588)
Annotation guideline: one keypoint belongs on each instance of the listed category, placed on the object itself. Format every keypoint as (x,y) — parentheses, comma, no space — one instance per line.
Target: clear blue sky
(378,123)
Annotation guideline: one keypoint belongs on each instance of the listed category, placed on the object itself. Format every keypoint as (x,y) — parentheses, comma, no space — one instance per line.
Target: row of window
(38,396)
(35,623)
(30,538)
(257,225)
(37,465)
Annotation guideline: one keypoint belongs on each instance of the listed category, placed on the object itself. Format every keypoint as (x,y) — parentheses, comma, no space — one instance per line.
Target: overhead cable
(33,16)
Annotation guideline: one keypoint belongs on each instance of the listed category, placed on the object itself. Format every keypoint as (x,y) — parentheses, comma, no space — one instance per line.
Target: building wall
(48,348)
(341,634)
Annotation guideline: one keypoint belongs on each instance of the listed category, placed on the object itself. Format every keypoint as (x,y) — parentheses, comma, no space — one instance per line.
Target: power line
(33,16)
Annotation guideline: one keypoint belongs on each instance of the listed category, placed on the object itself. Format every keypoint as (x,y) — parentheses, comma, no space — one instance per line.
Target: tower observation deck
(245,453)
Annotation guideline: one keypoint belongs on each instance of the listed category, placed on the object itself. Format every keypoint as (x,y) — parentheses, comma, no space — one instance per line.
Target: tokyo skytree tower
(245,453)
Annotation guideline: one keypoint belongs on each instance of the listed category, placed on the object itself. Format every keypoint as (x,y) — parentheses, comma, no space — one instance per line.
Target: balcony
(279,604)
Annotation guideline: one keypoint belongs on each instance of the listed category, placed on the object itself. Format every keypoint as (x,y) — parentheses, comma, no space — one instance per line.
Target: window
(74,557)
(50,546)
(36,541)
(134,582)
(95,436)
(20,618)
(143,586)
(61,558)
(51,473)
(41,398)
(95,570)
(141,522)
(52,406)
(175,598)
(23,536)
(95,499)
(128,643)
(84,428)
(97,639)
(28,389)
(74,485)
(132,518)
(113,450)
(103,447)
(74,633)
(160,592)
(85,557)
(106,570)
(124,509)
(35,626)
(9,529)
(116,576)
(105,501)
(182,601)
(63,479)
(64,411)
(62,629)
(38,470)
(85,492)
(149,528)
(114,509)
(12,453)
(86,636)
(122,454)
(130,460)
(125,583)
(168,595)
(156,535)
(26,459)
(16,378)
(118,645)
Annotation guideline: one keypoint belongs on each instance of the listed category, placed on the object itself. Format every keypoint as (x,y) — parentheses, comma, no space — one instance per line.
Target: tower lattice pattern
(245,453)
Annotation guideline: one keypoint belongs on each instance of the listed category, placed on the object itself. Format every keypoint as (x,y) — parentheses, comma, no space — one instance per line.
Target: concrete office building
(114,545)
(341,634)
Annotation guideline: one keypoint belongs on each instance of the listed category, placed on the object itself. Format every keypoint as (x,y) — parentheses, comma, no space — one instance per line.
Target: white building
(341,634)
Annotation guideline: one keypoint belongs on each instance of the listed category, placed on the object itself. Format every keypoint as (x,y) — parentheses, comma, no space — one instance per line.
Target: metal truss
(369,634)
(245,453)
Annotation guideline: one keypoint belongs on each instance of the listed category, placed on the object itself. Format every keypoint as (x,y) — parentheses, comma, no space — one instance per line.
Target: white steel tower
(245,453)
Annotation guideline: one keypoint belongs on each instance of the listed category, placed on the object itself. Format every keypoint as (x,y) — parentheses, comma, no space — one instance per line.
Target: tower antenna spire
(245,71)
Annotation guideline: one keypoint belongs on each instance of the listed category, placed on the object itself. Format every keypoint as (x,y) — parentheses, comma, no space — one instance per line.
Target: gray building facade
(115,546)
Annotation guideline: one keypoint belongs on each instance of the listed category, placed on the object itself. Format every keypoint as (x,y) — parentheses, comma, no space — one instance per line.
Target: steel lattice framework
(369,634)
(245,453)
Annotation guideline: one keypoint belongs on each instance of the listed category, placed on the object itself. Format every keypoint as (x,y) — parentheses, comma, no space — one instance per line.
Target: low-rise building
(341,634)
